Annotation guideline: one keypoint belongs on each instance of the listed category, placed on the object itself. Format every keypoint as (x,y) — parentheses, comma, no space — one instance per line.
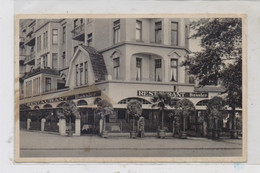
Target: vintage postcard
(130,88)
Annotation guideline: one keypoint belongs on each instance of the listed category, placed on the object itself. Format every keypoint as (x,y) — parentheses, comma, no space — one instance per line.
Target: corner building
(86,60)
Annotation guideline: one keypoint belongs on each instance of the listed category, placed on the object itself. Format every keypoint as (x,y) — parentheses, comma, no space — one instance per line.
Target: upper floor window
(116,31)
(54,60)
(63,59)
(86,72)
(138,33)
(75,23)
(174,70)
(54,36)
(158,32)
(64,34)
(174,33)
(158,70)
(39,42)
(116,64)
(28,88)
(45,61)
(138,69)
(89,40)
(36,86)
(45,39)
(47,84)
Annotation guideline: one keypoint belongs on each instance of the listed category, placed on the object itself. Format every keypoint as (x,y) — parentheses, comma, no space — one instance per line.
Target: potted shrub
(134,109)
(183,109)
(104,108)
(161,101)
(69,110)
(215,109)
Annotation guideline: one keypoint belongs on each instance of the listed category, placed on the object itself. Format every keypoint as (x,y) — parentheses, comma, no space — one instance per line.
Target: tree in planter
(220,59)
(183,109)
(104,108)
(161,101)
(214,111)
(134,109)
(69,110)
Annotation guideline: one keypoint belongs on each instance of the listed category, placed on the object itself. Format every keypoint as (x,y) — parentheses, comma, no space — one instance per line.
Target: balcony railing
(29,58)
(78,32)
(42,70)
(30,40)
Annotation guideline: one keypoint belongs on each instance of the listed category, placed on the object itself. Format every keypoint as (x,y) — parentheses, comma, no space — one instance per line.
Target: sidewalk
(37,140)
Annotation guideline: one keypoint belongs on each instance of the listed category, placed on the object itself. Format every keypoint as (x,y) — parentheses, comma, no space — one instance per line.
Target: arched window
(125,101)
(82,102)
(60,105)
(202,103)
(36,107)
(47,106)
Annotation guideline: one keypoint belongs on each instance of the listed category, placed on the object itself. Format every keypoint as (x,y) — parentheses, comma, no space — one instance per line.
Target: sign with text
(61,99)
(172,94)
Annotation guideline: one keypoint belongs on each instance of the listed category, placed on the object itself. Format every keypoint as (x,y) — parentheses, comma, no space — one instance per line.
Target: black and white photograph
(136,88)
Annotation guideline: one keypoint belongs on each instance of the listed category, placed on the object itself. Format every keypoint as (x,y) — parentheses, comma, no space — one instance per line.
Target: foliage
(162,100)
(104,108)
(184,108)
(215,107)
(134,108)
(220,59)
(70,109)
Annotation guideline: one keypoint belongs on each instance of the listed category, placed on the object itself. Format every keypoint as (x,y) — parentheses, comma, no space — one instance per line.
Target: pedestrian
(141,124)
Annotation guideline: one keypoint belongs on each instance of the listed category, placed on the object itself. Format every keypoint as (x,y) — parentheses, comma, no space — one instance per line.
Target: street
(37,144)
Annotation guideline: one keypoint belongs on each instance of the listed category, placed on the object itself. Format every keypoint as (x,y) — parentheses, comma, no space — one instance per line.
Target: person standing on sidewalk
(140,125)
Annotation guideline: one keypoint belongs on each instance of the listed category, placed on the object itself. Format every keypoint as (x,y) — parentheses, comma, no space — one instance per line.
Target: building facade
(86,60)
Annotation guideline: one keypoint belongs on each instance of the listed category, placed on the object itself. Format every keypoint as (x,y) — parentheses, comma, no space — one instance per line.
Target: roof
(98,63)
(210,89)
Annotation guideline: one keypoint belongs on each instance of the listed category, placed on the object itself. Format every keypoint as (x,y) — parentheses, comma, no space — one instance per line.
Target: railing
(29,57)
(78,30)
(42,70)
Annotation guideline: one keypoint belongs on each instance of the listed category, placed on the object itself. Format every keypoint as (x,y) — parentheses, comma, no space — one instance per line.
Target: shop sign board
(143,93)
(62,99)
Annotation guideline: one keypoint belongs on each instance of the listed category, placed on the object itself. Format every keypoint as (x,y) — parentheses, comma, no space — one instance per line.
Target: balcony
(42,71)
(78,33)
(30,39)
(29,59)
(21,40)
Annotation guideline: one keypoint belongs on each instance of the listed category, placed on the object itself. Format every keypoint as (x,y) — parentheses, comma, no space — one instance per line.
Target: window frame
(47,84)
(116,67)
(63,34)
(177,33)
(139,66)
(139,29)
(54,36)
(158,29)
(116,31)
(174,67)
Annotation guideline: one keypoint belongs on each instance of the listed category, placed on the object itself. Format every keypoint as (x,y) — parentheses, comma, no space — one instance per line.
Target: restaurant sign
(172,94)
(65,98)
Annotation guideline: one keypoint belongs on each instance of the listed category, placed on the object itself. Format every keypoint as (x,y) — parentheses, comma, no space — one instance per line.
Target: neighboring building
(86,60)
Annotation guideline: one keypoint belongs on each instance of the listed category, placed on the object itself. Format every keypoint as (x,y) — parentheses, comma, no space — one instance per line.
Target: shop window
(54,36)
(174,33)
(138,33)
(138,69)
(158,32)
(116,64)
(121,114)
(158,70)
(127,100)
(174,70)
(116,31)
(202,103)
